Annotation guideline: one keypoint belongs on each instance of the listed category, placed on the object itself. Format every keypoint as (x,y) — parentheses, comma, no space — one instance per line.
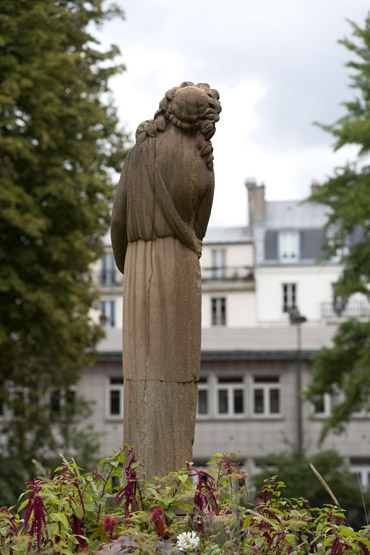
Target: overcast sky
(278,68)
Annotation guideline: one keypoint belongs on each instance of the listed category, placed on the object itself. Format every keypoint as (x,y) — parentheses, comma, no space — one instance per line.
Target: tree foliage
(59,142)
(345,367)
(293,468)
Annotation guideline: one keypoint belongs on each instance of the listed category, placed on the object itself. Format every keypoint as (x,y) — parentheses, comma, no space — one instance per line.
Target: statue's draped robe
(160,215)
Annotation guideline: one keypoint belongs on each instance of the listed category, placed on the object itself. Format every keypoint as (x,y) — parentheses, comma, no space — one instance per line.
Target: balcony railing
(109,278)
(228,273)
(354,309)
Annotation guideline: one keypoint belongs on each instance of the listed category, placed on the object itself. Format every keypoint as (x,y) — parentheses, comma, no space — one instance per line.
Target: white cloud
(278,68)
(139,90)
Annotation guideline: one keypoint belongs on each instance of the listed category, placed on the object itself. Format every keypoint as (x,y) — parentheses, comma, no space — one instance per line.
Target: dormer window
(288,246)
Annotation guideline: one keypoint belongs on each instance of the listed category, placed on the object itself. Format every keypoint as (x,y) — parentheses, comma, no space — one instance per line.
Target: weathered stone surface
(159,219)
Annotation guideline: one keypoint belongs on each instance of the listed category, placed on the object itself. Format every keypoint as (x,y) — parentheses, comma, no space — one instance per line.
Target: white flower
(187,541)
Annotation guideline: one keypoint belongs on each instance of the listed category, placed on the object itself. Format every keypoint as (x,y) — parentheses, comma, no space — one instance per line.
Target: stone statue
(160,216)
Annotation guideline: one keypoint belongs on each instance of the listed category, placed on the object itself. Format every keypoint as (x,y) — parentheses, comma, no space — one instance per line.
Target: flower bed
(113,510)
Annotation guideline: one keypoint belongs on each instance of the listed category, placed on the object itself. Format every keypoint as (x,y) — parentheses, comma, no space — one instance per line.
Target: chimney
(315,187)
(256,202)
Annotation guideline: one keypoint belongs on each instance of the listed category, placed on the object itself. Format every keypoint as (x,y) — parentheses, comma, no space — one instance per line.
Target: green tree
(59,142)
(293,468)
(345,366)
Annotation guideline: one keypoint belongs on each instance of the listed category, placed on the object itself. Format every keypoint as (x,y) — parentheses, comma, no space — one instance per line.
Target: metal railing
(228,273)
(354,309)
(109,278)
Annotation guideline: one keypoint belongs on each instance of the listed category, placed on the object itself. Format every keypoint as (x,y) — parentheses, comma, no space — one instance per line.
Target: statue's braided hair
(192,108)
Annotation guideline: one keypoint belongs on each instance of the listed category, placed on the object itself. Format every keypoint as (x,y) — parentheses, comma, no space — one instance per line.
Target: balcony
(228,273)
(228,278)
(109,279)
(354,309)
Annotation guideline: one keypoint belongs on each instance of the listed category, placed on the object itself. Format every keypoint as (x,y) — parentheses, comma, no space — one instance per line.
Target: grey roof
(293,214)
(221,235)
(259,339)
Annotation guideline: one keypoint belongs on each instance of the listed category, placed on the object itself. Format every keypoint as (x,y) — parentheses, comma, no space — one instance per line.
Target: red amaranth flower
(109,525)
(156,514)
(36,513)
(158,523)
(130,491)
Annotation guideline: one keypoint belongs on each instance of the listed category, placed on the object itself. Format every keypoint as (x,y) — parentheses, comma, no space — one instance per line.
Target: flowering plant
(114,510)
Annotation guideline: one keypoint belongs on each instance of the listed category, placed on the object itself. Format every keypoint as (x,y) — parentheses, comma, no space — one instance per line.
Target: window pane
(266,379)
(202,401)
(358,407)
(116,381)
(55,400)
(274,401)
(230,379)
(219,311)
(104,270)
(238,401)
(115,402)
(289,296)
(258,401)
(113,313)
(318,404)
(70,396)
(112,270)
(223,405)
(288,246)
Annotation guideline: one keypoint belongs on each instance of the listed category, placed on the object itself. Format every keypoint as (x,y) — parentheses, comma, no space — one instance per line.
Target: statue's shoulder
(146,129)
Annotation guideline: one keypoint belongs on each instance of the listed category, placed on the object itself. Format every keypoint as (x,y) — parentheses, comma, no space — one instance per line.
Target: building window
(289,296)
(218,263)
(115,397)
(70,395)
(108,308)
(322,405)
(230,396)
(288,246)
(203,408)
(218,311)
(57,398)
(266,395)
(360,410)
(108,270)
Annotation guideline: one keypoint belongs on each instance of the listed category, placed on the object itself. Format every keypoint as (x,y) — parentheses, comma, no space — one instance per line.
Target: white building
(289,236)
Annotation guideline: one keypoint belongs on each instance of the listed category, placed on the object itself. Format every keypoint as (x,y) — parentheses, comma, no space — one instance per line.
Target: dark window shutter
(357,235)
(312,241)
(271,245)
